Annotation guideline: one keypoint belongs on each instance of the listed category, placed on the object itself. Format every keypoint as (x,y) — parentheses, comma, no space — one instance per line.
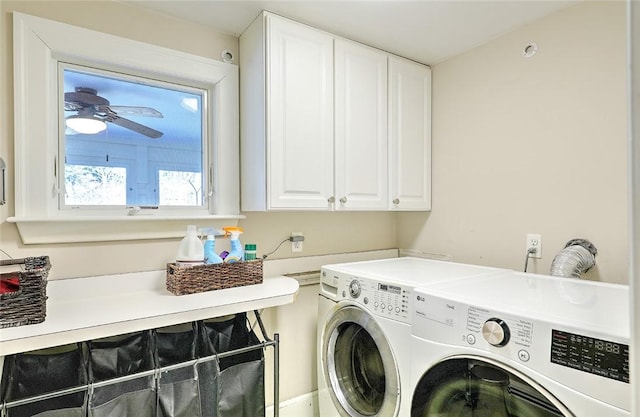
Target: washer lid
(412,271)
(583,304)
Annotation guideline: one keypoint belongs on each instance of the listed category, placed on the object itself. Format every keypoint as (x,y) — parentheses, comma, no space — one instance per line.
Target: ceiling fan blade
(136,111)
(136,127)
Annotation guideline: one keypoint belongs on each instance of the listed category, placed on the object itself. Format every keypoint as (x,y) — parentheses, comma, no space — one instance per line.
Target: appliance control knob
(496,332)
(396,201)
(343,200)
(355,289)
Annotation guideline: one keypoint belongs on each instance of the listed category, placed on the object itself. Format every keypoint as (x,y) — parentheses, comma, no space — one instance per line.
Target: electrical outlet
(296,241)
(534,242)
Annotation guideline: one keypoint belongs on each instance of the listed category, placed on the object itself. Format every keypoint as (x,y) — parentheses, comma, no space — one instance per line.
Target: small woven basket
(183,280)
(28,304)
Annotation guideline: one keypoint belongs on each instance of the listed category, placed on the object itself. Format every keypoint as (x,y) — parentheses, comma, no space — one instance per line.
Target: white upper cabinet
(409,135)
(361,173)
(286,96)
(318,124)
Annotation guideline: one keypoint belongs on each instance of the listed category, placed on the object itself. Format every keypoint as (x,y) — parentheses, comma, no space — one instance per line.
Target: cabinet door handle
(331,199)
(343,200)
(396,201)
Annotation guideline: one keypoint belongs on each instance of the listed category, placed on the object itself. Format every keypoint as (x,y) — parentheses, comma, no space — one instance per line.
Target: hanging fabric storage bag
(44,371)
(178,390)
(240,377)
(115,358)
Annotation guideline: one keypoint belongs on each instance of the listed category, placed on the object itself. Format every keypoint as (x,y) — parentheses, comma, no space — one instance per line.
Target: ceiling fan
(94,109)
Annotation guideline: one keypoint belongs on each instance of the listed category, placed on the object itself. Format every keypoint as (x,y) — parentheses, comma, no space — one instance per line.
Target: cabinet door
(361,155)
(299,115)
(409,135)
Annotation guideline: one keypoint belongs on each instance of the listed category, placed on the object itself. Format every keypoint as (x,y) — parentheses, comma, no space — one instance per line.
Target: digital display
(588,354)
(394,289)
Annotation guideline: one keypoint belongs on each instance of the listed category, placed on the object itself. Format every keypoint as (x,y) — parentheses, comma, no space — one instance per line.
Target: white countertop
(94,307)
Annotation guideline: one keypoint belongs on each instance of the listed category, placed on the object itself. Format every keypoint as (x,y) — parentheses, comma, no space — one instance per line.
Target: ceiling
(427,31)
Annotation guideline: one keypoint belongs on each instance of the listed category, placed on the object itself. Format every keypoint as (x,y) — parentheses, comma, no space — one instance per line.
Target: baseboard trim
(305,405)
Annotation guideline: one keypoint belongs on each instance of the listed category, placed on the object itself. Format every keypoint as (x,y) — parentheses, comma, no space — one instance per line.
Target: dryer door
(480,387)
(358,364)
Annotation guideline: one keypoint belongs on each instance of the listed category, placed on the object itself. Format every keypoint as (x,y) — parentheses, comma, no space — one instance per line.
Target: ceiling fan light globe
(88,126)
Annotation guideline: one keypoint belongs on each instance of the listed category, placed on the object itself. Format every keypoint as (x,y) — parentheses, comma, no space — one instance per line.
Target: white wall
(532,145)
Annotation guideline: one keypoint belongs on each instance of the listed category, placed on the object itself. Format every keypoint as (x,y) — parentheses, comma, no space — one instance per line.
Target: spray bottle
(210,255)
(236,254)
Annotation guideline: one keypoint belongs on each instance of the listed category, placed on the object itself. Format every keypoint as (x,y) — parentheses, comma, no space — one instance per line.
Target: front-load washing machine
(521,345)
(364,329)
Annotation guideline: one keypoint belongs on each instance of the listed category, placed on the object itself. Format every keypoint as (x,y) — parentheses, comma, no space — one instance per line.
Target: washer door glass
(473,387)
(359,365)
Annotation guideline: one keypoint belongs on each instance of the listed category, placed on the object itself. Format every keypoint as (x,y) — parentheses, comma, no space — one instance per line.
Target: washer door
(358,364)
(480,387)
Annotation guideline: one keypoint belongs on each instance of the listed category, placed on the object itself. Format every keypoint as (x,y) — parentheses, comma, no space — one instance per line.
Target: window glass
(131,141)
(180,188)
(94,184)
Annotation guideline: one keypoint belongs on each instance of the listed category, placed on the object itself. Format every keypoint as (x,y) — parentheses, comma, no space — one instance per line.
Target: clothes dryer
(364,329)
(521,345)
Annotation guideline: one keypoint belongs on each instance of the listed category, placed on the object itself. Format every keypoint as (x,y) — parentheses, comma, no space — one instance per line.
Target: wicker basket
(27,305)
(183,280)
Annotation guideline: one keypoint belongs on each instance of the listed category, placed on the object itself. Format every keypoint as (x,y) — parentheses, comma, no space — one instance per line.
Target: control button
(524,356)
(390,307)
(397,309)
(344,294)
(471,339)
(496,332)
(376,304)
(383,305)
(366,300)
(355,289)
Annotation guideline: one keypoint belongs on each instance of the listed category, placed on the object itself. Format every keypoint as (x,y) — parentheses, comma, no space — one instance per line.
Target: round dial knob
(496,332)
(355,289)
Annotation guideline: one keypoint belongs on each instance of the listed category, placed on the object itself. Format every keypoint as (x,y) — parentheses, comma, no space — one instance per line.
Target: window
(130,141)
(66,181)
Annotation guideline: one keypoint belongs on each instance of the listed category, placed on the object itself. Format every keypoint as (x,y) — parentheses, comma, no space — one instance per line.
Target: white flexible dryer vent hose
(577,257)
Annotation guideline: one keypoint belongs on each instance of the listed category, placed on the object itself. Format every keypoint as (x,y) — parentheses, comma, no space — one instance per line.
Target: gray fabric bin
(232,386)
(178,390)
(116,357)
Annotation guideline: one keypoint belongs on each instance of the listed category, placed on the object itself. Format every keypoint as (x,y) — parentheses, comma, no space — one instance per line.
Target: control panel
(499,330)
(381,298)
(589,354)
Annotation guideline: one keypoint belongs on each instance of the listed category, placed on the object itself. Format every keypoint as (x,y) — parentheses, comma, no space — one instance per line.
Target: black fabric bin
(178,390)
(120,356)
(197,382)
(232,386)
(44,371)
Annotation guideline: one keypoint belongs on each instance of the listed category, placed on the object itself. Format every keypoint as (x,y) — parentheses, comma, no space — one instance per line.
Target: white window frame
(39,44)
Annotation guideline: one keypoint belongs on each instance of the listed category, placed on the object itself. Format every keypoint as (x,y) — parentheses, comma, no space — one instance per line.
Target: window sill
(39,230)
